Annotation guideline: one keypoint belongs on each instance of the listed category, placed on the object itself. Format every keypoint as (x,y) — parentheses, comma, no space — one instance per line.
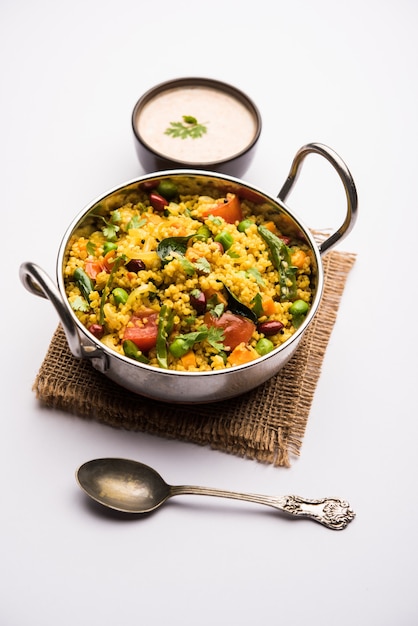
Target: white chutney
(230,126)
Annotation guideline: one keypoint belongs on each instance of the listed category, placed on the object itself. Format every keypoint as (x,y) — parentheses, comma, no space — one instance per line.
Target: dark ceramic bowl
(196,123)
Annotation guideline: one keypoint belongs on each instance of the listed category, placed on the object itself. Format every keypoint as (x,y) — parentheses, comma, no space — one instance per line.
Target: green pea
(120,295)
(225,239)
(299,307)
(242,226)
(179,347)
(264,346)
(167,189)
(131,350)
(203,233)
(108,246)
(298,310)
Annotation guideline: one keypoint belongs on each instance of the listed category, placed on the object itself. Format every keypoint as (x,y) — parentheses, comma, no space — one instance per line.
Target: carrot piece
(298,258)
(241,354)
(192,255)
(108,260)
(268,305)
(153,218)
(189,359)
(271,226)
(93,267)
(230,210)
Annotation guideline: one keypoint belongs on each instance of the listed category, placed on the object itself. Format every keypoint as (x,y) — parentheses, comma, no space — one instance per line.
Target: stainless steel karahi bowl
(194,387)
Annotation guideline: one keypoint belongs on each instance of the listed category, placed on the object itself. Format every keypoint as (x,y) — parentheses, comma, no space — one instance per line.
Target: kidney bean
(135,265)
(97,330)
(149,185)
(198,301)
(158,202)
(269,328)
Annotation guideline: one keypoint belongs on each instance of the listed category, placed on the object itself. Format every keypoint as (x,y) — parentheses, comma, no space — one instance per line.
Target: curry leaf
(167,247)
(236,306)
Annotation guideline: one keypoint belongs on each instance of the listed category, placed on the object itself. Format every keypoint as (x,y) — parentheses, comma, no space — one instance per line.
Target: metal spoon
(132,487)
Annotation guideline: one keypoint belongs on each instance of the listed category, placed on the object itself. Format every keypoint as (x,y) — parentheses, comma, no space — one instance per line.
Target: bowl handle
(346,178)
(40,284)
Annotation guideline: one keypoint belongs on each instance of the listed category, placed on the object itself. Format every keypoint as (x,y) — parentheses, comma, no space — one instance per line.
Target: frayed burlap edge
(266,424)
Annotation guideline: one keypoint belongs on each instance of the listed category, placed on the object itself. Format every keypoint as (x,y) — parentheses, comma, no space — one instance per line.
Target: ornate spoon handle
(333,513)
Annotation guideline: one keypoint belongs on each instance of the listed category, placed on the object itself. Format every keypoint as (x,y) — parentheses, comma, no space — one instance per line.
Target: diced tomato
(249,194)
(93,267)
(230,209)
(142,329)
(237,329)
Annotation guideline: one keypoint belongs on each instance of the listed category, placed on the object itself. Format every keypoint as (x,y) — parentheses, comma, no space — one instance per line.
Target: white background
(341,73)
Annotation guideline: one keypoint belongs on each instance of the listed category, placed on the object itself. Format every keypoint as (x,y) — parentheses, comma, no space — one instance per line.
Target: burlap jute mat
(266,424)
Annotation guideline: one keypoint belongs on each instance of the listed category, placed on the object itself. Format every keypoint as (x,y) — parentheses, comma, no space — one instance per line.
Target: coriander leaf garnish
(80,304)
(253,271)
(187,267)
(214,306)
(215,338)
(189,127)
(257,303)
(111,228)
(183,343)
(202,265)
(136,222)
(91,248)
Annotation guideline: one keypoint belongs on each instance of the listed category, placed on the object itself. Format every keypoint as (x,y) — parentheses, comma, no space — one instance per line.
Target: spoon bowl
(123,485)
(132,487)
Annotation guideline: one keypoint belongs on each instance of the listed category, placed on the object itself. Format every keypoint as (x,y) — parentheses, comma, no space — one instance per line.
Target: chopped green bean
(132,351)
(84,282)
(225,239)
(280,255)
